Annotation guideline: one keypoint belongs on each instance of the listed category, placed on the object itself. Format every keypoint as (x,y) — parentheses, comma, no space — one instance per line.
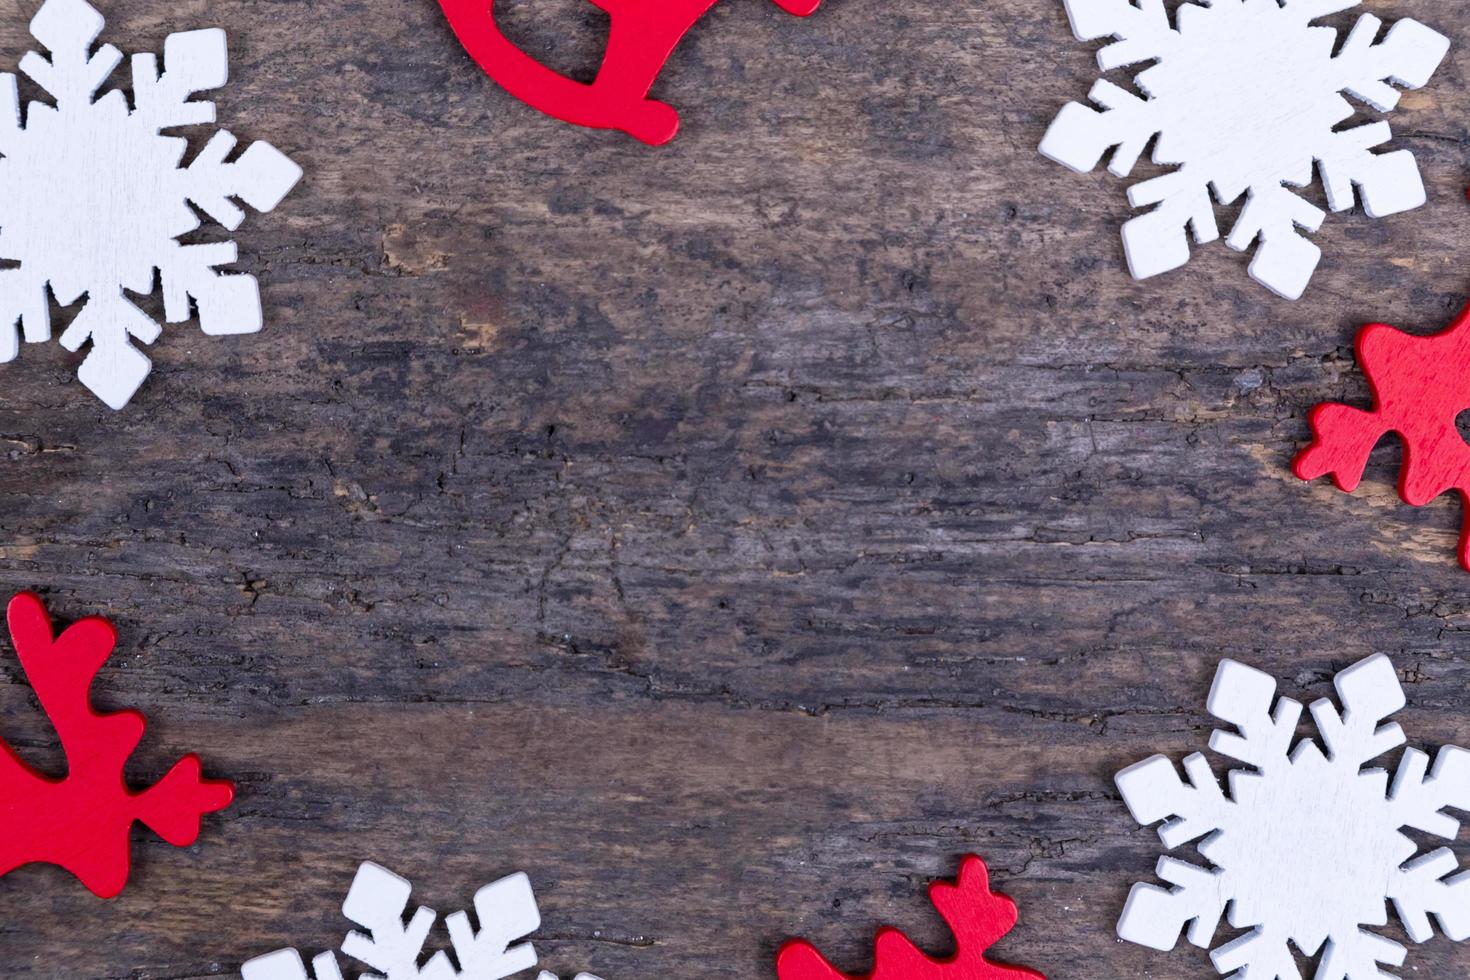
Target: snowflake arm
(68,29)
(1387,182)
(1361,958)
(507,911)
(1153,791)
(1427,886)
(1243,696)
(1140,32)
(22,301)
(1422,887)
(1420,801)
(261,177)
(228,304)
(22,291)
(11,132)
(1370,692)
(376,901)
(1285,259)
(286,964)
(1080,135)
(113,369)
(1259,953)
(1156,239)
(1155,916)
(197,61)
(1407,56)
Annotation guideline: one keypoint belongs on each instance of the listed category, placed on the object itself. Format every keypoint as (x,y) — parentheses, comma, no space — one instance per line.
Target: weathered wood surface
(730,535)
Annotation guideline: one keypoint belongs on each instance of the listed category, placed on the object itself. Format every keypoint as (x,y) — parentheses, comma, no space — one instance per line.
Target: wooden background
(731,535)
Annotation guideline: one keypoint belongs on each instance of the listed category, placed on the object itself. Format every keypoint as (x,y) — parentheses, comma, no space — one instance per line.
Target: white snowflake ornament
(1244,97)
(1308,847)
(93,198)
(506,910)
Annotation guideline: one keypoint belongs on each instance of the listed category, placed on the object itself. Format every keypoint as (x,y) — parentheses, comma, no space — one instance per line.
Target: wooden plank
(730,535)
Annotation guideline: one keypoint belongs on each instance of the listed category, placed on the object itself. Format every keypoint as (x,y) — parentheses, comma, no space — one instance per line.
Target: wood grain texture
(730,535)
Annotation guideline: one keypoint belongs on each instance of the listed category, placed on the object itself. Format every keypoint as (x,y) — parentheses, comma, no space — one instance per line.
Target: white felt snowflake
(1244,96)
(93,198)
(506,910)
(1308,847)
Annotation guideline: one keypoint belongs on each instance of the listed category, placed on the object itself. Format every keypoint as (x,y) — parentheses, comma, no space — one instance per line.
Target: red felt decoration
(81,822)
(977,916)
(1419,385)
(642,36)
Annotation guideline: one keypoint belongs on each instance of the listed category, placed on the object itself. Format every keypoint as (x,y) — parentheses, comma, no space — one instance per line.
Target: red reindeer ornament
(82,821)
(977,916)
(1420,385)
(642,36)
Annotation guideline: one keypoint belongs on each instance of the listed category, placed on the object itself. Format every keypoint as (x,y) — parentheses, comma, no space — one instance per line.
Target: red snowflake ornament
(977,916)
(82,822)
(642,36)
(1420,384)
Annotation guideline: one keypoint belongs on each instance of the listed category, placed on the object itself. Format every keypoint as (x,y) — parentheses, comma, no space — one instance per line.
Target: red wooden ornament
(82,822)
(642,36)
(977,916)
(1420,384)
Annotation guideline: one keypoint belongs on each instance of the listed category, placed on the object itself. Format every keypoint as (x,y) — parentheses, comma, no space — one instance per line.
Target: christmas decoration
(1420,384)
(93,200)
(81,821)
(977,916)
(1308,847)
(642,36)
(1244,97)
(506,910)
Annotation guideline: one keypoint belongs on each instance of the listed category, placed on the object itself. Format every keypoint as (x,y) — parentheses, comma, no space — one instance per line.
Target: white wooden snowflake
(93,198)
(1308,847)
(506,910)
(1244,97)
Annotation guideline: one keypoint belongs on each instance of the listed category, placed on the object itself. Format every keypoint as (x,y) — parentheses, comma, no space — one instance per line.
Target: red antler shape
(643,35)
(82,822)
(1419,385)
(977,916)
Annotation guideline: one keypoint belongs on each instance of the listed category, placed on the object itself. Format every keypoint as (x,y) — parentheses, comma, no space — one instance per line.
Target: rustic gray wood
(732,534)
